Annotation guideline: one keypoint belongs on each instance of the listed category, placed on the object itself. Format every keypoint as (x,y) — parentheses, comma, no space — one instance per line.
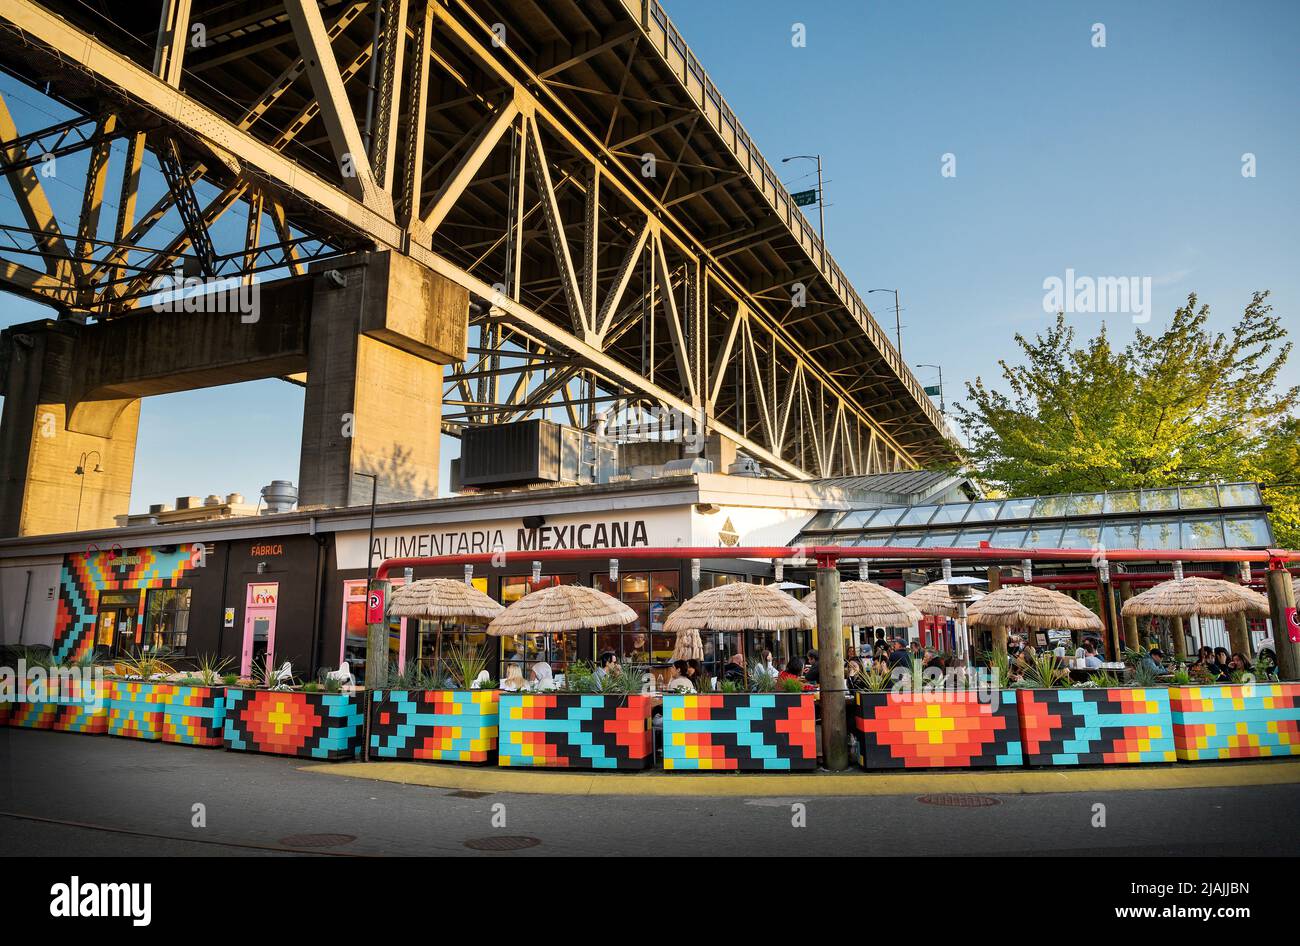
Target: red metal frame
(828,555)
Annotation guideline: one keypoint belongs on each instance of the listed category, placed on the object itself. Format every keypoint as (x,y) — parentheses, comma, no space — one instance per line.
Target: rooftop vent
(279,496)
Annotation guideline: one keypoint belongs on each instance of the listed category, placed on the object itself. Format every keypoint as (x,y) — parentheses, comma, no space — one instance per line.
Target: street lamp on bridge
(821,195)
(943,409)
(898,322)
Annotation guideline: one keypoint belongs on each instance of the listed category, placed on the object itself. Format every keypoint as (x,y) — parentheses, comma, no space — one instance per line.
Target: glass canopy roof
(1226,515)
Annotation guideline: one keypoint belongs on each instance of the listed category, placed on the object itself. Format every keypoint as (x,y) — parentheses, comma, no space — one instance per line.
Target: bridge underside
(566,162)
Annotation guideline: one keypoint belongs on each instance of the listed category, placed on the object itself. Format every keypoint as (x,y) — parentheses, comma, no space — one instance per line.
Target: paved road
(75,795)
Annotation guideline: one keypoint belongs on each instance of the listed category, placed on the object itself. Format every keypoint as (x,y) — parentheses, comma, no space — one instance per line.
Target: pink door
(259,625)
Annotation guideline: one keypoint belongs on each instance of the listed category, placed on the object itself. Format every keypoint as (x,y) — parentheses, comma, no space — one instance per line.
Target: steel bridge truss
(538,153)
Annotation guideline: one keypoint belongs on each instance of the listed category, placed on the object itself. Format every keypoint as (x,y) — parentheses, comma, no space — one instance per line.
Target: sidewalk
(851,783)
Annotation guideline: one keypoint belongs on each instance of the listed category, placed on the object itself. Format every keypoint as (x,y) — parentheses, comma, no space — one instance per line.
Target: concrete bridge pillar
(382,327)
(41,447)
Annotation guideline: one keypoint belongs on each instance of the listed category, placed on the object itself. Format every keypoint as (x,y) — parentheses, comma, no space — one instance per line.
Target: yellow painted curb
(1015,782)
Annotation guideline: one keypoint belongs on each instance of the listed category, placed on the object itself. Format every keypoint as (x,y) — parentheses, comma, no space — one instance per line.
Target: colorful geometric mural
(86,574)
(135,710)
(5,710)
(83,705)
(740,731)
(1096,726)
(193,715)
(953,729)
(308,725)
(445,725)
(576,730)
(38,715)
(1236,722)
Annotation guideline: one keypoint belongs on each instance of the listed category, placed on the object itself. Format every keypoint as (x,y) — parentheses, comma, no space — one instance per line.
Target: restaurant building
(291,584)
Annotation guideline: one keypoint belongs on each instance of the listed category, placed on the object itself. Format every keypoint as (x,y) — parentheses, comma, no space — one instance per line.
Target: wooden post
(1131,639)
(1238,633)
(377,642)
(1281,601)
(835,749)
(999,633)
(1177,632)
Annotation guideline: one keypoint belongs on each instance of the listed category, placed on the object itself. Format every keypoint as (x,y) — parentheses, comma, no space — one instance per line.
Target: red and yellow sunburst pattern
(951,729)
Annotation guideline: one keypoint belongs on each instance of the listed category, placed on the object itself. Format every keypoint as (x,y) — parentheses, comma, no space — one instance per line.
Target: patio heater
(962,591)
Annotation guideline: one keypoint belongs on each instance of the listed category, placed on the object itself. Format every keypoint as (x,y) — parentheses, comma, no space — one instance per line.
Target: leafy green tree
(1186,405)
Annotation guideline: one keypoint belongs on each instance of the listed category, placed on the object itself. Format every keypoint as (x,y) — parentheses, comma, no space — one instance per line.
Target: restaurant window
(167,620)
(435,645)
(528,650)
(352,646)
(653,596)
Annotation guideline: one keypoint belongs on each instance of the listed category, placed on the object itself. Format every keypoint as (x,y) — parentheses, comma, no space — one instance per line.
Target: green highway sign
(804,198)
(933,390)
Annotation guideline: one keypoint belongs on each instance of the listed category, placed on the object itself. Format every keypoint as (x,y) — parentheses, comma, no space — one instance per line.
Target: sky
(972,151)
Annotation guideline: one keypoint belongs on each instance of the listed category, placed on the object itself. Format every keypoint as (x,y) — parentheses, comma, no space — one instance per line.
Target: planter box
(1224,721)
(436,725)
(765,732)
(1098,726)
(135,710)
(576,730)
(289,722)
(33,715)
(5,710)
(955,729)
(84,707)
(192,715)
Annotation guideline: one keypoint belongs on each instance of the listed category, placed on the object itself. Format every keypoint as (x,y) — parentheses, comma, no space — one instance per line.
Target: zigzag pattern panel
(940,730)
(84,706)
(39,715)
(766,732)
(5,710)
(307,725)
(193,715)
(436,725)
(134,710)
(576,730)
(1236,722)
(1096,726)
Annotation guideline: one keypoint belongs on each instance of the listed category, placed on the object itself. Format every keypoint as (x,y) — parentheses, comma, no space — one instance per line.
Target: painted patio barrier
(83,706)
(1236,722)
(952,729)
(1096,726)
(288,722)
(135,710)
(193,715)
(434,725)
(33,714)
(765,732)
(576,730)
(6,709)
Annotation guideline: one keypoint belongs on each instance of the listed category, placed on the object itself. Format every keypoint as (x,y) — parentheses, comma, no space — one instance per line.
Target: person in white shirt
(1090,659)
(514,680)
(543,677)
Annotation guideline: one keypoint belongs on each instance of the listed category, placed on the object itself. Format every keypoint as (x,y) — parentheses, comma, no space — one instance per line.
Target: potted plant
(277,716)
(932,719)
(135,708)
(1100,723)
(422,717)
(771,729)
(579,726)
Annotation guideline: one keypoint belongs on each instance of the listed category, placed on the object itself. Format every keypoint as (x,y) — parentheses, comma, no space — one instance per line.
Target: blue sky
(1117,161)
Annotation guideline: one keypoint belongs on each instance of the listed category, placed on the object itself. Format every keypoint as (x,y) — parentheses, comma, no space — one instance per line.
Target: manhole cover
(959,801)
(466,793)
(502,843)
(317,840)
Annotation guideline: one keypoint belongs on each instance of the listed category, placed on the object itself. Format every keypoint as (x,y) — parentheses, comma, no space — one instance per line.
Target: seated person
(734,670)
(900,656)
(1240,664)
(793,670)
(514,680)
(679,682)
(543,677)
(1154,662)
(1090,658)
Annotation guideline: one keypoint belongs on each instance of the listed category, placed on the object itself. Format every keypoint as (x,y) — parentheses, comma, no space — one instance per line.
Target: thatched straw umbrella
(866,604)
(561,608)
(441,600)
(1031,606)
(740,606)
(1184,597)
(689,646)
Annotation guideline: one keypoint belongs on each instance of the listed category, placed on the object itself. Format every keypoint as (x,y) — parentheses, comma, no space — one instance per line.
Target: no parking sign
(1293,625)
(375,606)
